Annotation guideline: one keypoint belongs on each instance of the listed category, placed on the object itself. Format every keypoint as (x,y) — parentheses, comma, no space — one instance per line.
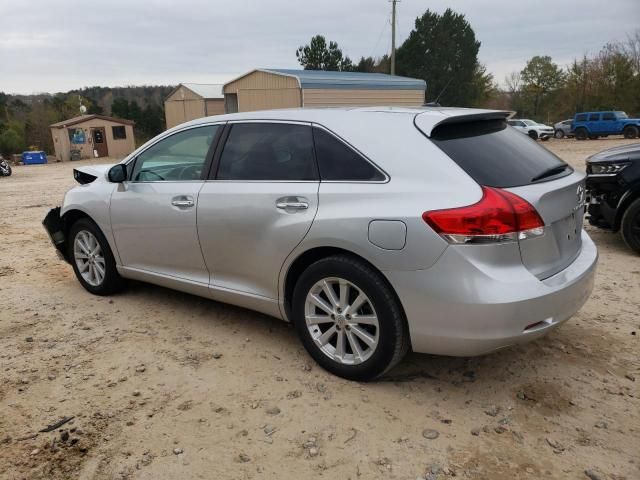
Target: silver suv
(373,230)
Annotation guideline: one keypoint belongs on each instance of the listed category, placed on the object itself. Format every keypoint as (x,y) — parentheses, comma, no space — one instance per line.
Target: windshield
(497,156)
(622,115)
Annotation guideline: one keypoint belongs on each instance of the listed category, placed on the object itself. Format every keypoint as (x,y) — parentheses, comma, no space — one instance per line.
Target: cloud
(53,45)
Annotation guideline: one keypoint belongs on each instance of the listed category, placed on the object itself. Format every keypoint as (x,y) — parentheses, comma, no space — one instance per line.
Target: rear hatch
(496,155)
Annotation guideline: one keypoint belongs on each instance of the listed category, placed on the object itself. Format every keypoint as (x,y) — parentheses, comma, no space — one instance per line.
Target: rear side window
(339,162)
(581,118)
(497,156)
(268,151)
(594,117)
(608,116)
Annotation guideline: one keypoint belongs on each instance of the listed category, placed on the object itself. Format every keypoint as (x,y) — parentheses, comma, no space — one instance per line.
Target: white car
(533,129)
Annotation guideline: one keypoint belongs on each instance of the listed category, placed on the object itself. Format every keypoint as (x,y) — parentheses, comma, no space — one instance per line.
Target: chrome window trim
(161,138)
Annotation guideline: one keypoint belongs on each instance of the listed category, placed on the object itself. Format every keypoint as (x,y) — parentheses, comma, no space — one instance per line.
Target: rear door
(595,125)
(496,156)
(258,205)
(153,215)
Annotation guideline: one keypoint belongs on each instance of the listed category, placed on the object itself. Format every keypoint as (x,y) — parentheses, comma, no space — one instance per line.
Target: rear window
(497,156)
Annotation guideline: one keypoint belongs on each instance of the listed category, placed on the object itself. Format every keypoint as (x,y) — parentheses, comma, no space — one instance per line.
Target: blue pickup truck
(600,124)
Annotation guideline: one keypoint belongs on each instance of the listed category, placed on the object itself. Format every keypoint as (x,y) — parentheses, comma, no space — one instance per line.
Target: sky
(54,45)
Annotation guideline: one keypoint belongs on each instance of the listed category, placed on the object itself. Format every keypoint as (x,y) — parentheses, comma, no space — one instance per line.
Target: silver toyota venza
(373,230)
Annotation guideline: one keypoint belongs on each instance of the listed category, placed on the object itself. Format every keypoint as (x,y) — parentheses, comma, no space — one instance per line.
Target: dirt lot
(164,385)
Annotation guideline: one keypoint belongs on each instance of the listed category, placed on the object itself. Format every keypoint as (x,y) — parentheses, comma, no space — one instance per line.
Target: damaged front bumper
(54,225)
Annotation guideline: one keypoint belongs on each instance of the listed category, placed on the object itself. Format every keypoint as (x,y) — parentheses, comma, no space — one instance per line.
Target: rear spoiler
(428,123)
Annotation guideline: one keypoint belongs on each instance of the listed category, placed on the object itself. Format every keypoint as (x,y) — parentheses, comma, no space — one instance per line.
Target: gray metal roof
(205,90)
(349,80)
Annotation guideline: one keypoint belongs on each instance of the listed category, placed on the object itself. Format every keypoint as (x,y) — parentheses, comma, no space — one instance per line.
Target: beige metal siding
(265,99)
(354,97)
(261,80)
(180,111)
(215,107)
(182,93)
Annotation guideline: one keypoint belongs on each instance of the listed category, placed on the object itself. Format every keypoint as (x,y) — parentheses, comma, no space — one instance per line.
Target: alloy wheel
(89,258)
(342,321)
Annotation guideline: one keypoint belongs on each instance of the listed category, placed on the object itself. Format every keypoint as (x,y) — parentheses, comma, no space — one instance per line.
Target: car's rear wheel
(630,132)
(559,134)
(631,226)
(92,259)
(349,319)
(581,134)
(533,134)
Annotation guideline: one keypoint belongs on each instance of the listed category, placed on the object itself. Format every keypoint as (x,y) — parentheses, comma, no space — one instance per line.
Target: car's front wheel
(630,132)
(630,226)
(559,134)
(349,319)
(533,134)
(92,259)
(581,134)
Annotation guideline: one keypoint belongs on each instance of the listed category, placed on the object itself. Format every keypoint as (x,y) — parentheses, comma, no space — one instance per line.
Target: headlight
(606,168)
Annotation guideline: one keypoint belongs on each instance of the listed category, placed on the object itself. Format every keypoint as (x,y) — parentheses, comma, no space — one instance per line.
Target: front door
(153,215)
(259,206)
(100,142)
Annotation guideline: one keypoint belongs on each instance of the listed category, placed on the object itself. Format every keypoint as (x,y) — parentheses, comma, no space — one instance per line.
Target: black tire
(112,281)
(630,226)
(533,134)
(393,336)
(581,134)
(630,132)
(559,134)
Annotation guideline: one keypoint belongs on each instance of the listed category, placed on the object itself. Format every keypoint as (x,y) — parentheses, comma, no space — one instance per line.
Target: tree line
(25,119)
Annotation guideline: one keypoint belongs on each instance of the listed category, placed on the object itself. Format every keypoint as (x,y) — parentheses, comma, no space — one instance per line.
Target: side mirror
(118,173)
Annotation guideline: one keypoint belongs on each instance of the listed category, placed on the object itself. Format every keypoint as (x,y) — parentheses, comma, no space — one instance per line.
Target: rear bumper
(54,226)
(464,307)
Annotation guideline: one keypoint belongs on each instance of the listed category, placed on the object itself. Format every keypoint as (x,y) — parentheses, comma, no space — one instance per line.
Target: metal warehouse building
(193,100)
(263,89)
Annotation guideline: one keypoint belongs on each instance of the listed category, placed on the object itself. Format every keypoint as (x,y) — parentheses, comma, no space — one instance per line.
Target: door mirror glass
(118,173)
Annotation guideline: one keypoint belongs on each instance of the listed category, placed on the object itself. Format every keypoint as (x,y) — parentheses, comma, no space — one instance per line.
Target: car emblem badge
(581,195)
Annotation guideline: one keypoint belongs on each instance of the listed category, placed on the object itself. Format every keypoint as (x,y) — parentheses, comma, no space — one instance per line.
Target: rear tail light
(500,216)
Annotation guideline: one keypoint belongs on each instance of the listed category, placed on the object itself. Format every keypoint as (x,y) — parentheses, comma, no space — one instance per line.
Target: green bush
(11,142)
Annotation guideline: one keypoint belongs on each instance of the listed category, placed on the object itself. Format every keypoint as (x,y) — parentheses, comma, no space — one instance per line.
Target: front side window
(268,152)
(119,133)
(339,162)
(608,116)
(179,157)
(594,117)
(581,117)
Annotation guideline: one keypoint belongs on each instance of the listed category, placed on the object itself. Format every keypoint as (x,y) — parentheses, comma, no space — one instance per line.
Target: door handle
(182,201)
(292,203)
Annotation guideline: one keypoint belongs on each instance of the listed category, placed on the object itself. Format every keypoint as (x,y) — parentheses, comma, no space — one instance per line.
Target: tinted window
(581,118)
(594,117)
(513,123)
(179,157)
(268,151)
(494,155)
(338,161)
(608,116)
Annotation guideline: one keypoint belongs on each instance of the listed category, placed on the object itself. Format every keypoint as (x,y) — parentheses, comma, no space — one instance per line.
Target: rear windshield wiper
(550,172)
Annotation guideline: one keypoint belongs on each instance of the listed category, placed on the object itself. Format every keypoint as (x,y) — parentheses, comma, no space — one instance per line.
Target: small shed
(92,136)
(189,101)
(267,88)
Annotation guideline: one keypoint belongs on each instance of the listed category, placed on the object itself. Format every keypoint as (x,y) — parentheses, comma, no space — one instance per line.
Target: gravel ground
(164,385)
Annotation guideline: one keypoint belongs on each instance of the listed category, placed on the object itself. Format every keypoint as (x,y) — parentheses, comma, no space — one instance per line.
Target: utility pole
(393,36)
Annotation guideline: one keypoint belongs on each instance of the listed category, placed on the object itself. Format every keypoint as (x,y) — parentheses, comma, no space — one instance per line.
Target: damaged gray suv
(373,230)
